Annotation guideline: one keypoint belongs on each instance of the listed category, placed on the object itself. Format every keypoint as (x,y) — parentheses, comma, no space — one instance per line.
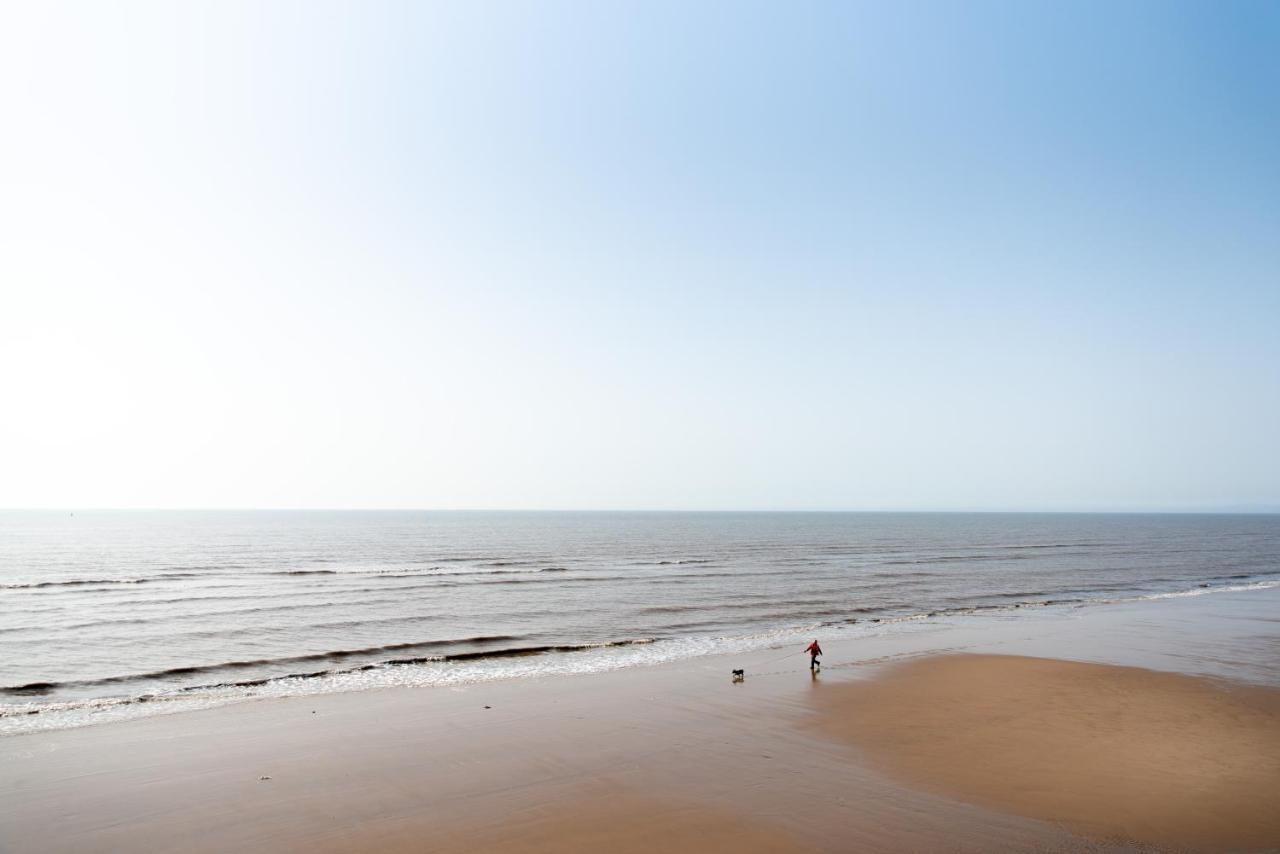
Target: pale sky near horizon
(1019,256)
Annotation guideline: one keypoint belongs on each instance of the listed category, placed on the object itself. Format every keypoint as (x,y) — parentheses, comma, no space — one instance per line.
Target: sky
(832,256)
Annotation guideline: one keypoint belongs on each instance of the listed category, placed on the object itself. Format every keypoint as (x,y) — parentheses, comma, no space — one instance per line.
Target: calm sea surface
(117,614)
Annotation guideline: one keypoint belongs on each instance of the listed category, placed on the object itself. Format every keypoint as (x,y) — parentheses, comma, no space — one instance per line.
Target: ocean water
(109,615)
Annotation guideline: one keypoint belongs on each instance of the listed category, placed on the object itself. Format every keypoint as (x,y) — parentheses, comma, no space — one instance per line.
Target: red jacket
(814,649)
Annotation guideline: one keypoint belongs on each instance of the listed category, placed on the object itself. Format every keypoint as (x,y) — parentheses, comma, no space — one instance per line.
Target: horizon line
(1257,510)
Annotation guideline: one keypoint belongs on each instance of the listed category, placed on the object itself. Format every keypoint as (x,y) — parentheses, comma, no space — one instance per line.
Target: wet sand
(1111,752)
(663,759)
(678,758)
(619,823)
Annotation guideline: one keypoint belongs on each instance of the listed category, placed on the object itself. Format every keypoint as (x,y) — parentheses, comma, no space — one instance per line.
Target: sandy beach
(901,744)
(1111,752)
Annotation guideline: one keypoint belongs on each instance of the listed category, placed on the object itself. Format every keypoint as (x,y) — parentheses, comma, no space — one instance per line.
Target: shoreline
(22,715)
(389,769)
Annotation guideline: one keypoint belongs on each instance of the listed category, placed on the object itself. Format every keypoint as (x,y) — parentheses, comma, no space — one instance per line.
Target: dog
(739,675)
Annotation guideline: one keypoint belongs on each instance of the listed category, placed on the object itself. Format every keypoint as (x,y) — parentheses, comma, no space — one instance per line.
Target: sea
(110,615)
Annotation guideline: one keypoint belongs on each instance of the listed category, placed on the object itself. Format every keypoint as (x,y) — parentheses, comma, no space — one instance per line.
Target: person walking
(814,651)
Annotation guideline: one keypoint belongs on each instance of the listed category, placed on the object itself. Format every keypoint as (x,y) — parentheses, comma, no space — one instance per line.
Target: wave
(760,601)
(82,582)
(174,620)
(1206,588)
(425,582)
(483,580)
(40,688)
(695,576)
(973,558)
(519,651)
(331,655)
(500,567)
(1041,546)
(304,572)
(897,574)
(1056,599)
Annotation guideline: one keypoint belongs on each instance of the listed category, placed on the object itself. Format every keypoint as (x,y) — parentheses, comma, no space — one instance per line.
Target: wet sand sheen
(618,823)
(1110,752)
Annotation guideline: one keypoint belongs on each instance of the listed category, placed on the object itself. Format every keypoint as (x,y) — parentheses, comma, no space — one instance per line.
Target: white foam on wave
(40,716)
(1203,591)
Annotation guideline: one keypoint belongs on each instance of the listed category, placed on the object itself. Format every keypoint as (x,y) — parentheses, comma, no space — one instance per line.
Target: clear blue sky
(605,255)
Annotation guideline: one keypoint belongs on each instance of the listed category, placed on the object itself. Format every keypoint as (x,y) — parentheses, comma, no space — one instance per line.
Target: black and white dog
(739,675)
